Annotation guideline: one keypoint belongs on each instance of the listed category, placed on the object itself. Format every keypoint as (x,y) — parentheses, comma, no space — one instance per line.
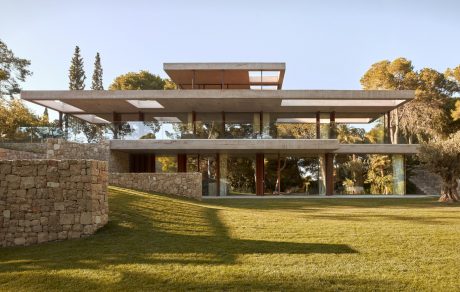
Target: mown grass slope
(155,242)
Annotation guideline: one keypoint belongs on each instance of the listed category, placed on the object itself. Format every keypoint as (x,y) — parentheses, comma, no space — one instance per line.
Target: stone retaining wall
(9,154)
(183,184)
(61,149)
(45,200)
(24,146)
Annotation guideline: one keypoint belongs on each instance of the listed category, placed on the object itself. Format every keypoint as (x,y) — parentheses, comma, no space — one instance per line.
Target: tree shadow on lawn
(297,205)
(151,229)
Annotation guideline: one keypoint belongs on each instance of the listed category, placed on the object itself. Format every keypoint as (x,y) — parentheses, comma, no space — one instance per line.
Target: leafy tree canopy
(427,116)
(142,80)
(12,71)
(13,115)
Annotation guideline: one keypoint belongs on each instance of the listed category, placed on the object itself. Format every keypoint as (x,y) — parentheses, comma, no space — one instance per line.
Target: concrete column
(386,128)
(332,126)
(266,125)
(223,184)
(116,118)
(318,125)
(322,175)
(190,122)
(60,120)
(259,174)
(329,174)
(399,174)
(256,124)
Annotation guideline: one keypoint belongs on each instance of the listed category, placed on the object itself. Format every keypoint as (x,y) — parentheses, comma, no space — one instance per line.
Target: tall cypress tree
(76,72)
(97,74)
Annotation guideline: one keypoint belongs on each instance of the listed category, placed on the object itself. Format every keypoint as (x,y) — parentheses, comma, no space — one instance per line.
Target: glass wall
(165,163)
(356,174)
(207,165)
(298,174)
(237,174)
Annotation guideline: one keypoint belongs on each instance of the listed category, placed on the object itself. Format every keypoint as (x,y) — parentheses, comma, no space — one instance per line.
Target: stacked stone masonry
(178,184)
(46,200)
(61,149)
(10,154)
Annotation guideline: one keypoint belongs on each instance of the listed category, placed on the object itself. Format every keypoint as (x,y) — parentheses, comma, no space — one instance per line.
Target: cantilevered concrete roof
(345,103)
(226,75)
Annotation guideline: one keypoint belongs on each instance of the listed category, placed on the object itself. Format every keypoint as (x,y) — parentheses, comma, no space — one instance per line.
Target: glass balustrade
(372,133)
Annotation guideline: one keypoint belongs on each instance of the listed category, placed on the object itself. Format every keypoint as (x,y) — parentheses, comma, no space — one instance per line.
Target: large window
(356,174)
(291,174)
(165,163)
(237,174)
(206,164)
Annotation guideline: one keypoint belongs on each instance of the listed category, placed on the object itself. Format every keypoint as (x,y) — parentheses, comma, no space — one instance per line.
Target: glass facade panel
(165,163)
(298,174)
(357,174)
(237,174)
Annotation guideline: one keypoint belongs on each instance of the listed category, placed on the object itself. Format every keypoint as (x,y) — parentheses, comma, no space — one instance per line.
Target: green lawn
(161,243)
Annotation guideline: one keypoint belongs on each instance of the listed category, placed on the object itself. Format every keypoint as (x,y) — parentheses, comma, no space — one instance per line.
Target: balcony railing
(345,133)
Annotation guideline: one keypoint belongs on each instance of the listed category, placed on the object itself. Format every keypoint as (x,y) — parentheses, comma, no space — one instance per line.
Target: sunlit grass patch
(155,242)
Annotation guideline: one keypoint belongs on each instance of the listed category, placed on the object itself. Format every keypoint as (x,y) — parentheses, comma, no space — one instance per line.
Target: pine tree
(45,116)
(97,74)
(76,72)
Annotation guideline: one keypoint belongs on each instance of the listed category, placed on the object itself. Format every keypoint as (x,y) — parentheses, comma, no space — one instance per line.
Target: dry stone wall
(9,154)
(183,184)
(61,149)
(46,200)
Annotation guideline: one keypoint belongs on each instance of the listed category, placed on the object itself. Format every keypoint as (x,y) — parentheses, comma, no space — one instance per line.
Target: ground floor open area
(288,172)
(155,242)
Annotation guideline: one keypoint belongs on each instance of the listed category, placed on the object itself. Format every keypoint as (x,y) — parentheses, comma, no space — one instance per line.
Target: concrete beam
(227,145)
(377,148)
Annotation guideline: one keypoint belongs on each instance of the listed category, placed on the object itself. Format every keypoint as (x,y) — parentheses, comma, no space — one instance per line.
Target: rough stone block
(66,219)
(86,218)
(20,241)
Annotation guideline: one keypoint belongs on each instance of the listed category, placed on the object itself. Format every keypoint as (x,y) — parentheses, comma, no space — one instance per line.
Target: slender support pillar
(218,174)
(318,125)
(60,120)
(256,124)
(322,175)
(222,133)
(223,185)
(332,126)
(116,117)
(181,162)
(265,125)
(259,174)
(387,128)
(329,174)
(194,123)
(399,175)
(278,174)
(193,79)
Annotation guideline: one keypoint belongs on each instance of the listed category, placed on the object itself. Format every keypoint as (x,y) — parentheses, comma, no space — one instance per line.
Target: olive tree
(443,158)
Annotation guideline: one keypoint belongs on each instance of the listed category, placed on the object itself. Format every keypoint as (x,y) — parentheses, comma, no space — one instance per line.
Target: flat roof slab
(226,145)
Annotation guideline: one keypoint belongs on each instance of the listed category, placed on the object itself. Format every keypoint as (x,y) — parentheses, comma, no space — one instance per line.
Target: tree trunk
(449,193)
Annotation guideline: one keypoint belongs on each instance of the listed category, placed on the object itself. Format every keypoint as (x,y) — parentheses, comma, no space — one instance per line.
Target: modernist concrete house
(235,124)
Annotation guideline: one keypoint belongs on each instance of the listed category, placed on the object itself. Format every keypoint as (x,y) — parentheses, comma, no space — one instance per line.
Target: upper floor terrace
(230,101)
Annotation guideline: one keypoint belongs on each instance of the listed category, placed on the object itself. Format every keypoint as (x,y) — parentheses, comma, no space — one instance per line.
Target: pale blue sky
(325,44)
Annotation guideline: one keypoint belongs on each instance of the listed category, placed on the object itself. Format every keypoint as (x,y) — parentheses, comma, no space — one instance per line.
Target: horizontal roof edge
(226,66)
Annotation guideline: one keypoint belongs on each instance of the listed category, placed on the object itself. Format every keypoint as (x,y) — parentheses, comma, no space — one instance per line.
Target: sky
(325,44)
